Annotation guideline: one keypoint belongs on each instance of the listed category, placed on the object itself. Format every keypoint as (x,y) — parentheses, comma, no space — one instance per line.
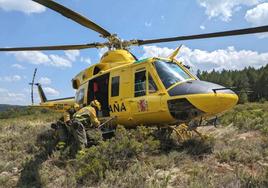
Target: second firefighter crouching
(84,126)
(79,127)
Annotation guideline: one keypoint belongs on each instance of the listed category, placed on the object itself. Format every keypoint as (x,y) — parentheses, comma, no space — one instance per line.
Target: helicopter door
(146,102)
(98,90)
(120,90)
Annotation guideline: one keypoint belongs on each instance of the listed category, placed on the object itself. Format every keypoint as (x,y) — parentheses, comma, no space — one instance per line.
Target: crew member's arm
(93,118)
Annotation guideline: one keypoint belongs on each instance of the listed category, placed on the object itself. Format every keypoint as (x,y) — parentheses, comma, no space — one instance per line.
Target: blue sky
(24,23)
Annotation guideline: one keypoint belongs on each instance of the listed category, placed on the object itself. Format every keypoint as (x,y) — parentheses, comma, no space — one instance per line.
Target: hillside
(4,107)
(234,155)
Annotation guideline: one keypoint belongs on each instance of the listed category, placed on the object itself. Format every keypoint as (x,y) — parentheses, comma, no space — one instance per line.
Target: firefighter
(85,125)
(62,126)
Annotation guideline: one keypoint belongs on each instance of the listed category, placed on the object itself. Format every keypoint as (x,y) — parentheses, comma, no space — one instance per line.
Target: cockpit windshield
(170,73)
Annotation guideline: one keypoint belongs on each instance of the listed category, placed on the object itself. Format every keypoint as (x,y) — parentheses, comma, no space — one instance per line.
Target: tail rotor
(32,85)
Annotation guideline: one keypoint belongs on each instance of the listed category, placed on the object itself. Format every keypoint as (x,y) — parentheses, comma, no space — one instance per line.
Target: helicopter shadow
(195,147)
(30,176)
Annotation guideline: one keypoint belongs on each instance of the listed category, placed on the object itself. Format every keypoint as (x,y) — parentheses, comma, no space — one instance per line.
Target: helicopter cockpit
(171,73)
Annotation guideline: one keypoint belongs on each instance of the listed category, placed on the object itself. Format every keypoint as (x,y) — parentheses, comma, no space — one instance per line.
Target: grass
(235,155)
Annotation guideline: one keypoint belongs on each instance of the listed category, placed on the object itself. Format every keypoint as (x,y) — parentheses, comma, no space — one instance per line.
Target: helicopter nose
(207,97)
(213,104)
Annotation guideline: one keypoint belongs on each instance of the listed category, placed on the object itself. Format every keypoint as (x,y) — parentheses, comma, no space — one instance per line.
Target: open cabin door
(98,89)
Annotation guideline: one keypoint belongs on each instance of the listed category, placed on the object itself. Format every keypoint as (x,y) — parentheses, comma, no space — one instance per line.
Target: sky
(25,23)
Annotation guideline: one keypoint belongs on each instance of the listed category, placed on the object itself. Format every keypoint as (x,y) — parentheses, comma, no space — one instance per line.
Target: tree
(243,97)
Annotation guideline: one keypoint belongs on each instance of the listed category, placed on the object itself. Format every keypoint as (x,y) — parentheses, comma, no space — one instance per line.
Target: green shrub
(241,152)
(251,116)
(247,179)
(198,147)
(117,153)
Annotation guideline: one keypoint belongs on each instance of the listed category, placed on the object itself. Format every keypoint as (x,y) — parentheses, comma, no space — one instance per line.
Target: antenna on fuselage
(175,53)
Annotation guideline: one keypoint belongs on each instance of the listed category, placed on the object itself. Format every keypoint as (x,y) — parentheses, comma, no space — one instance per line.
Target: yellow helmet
(76,106)
(95,103)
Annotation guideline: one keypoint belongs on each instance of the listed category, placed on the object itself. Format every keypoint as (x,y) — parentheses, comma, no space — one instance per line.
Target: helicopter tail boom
(41,93)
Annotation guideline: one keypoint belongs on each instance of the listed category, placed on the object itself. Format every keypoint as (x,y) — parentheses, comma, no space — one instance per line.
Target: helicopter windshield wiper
(223,88)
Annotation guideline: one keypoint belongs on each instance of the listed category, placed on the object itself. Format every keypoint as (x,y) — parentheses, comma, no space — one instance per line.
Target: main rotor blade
(73,16)
(253,30)
(63,47)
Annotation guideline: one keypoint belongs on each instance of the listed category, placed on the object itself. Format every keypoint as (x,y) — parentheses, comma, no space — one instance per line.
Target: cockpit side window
(79,97)
(140,83)
(170,73)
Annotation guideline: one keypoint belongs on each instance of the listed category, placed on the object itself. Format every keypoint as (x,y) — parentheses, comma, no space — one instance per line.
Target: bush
(247,179)
(243,152)
(117,153)
(247,117)
(198,147)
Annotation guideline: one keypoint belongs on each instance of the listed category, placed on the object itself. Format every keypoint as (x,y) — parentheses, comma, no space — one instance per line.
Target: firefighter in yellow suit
(84,127)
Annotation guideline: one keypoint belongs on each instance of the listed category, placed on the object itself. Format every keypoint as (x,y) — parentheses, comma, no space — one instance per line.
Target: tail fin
(41,93)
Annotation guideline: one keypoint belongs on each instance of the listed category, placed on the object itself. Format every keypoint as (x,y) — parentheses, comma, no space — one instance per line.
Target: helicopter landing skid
(185,133)
(182,132)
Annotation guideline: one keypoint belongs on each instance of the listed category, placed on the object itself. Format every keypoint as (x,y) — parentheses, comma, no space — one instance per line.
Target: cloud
(8,97)
(25,6)
(38,58)
(258,16)
(13,78)
(72,54)
(202,27)
(86,60)
(102,51)
(59,61)
(228,58)
(51,92)
(154,51)
(44,81)
(18,66)
(224,9)
(23,98)
(33,57)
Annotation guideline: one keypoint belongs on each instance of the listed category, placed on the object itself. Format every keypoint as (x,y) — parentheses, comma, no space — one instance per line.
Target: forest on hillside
(250,84)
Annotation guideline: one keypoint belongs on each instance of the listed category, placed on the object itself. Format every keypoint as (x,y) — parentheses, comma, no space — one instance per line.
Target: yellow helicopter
(151,92)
